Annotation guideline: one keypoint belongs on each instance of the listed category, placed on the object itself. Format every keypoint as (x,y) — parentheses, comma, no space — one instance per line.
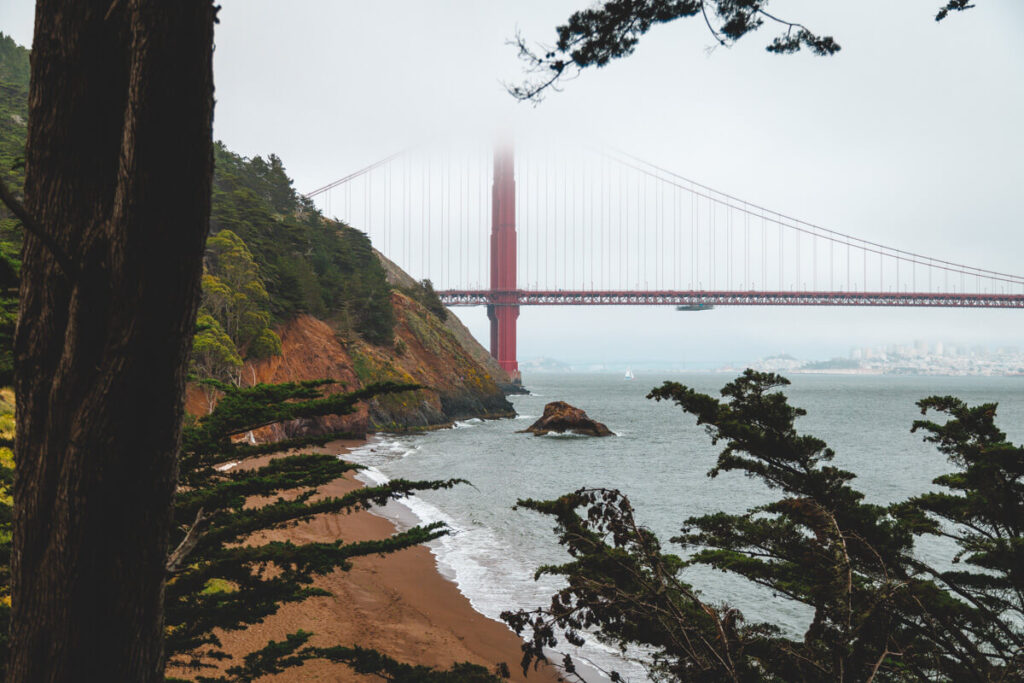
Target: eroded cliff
(425,352)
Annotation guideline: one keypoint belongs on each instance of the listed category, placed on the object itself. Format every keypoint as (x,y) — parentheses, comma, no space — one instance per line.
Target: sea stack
(560,417)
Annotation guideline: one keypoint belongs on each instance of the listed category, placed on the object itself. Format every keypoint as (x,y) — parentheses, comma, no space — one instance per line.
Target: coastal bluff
(560,417)
(425,351)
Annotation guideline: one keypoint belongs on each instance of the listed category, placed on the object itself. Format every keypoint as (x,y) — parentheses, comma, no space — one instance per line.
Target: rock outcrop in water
(560,417)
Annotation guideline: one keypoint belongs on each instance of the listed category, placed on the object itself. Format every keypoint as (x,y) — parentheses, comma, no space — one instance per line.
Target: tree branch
(187,545)
(18,209)
(953,6)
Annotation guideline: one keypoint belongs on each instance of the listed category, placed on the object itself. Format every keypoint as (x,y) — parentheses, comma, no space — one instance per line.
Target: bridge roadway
(558,297)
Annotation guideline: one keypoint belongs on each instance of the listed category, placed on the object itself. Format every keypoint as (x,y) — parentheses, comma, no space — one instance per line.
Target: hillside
(291,295)
(336,310)
(14,68)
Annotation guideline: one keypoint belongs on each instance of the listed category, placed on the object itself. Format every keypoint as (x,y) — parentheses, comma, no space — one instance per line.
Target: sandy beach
(399,604)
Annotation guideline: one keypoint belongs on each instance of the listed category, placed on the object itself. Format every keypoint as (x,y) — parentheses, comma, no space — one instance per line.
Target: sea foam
(477,561)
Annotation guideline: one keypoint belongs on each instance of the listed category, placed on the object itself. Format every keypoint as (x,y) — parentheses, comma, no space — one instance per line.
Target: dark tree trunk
(118,171)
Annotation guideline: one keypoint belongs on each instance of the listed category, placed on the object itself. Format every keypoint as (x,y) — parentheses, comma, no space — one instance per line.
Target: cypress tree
(879,612)
(221,578)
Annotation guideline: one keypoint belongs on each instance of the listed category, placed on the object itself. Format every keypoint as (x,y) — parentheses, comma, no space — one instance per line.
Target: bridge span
(504,227)
(521,297)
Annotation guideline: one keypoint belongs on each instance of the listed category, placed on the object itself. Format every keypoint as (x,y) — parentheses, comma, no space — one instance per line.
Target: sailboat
(629,374)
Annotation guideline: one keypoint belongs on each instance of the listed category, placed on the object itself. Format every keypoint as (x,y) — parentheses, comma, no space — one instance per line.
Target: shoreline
(400,604)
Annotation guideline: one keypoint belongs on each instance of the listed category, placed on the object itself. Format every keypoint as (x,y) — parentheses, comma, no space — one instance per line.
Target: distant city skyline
(917,357)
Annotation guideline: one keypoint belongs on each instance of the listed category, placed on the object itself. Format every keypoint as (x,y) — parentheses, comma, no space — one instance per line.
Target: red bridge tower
(504,311)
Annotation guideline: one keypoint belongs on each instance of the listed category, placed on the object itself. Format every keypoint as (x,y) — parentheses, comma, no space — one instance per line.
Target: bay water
(659,458)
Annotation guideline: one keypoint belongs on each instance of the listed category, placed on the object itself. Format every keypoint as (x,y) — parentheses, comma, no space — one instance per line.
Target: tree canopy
(307,263)
(233,290)
(595,36)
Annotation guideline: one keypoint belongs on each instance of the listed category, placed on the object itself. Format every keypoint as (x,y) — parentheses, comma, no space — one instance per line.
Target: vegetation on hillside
(234,294)
(6,514)
(271,254)
(307,263)
(426,296)
(234,321)
(14,66)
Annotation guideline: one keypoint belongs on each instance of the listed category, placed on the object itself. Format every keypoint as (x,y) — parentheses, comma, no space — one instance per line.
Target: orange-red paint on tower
(504,311)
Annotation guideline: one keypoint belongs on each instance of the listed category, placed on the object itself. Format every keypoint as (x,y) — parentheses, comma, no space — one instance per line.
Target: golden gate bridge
(559,225)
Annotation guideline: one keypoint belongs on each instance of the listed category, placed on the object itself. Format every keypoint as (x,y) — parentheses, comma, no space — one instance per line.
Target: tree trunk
(118,170)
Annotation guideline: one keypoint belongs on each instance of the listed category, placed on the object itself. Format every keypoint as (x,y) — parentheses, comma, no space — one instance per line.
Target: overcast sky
(913,135)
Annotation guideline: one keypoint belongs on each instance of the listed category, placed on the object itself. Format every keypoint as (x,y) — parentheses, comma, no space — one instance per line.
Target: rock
(561,417)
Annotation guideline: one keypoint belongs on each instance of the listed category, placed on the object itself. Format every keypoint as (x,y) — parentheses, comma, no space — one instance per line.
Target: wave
(564,435)
(479,563)
(380,449)
(475,558)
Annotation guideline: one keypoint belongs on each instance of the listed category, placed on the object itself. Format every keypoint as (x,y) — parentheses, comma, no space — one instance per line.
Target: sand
(399,604)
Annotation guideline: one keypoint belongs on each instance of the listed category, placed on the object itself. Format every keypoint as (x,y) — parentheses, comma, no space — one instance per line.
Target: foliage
(595,36)
(953,6)
(308,263)
(879,613)
(424,294)
(277,657)
(982,508)
(214,355)
(234,294)
(6,515)
(14,68)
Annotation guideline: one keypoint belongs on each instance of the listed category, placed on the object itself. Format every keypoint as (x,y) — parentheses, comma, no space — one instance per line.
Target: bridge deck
(523,297)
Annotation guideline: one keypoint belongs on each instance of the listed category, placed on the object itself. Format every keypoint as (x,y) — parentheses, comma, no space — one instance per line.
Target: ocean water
(660,459)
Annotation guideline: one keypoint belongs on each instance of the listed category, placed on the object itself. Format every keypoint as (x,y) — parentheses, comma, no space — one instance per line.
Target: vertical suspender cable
(764,253)
(695,201)
(782,261)
(642,228)
(747,281)
(562,223)
(577,257)
(795,285)
(729,242)
(712,262)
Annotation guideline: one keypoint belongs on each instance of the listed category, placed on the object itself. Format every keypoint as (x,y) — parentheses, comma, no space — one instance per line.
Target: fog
(912,136)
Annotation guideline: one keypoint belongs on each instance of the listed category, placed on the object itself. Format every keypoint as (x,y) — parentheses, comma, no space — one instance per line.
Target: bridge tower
(504,311)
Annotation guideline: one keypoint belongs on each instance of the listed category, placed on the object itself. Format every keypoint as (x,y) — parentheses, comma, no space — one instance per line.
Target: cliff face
(425,352)
(399,278)
(428,353)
